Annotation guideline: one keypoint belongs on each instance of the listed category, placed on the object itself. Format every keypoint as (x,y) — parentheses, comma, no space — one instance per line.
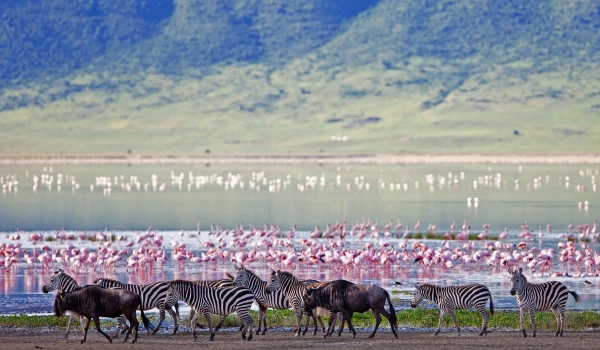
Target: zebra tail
(392,310)
(491,306)
(146,322)
(177,310)
(575,295)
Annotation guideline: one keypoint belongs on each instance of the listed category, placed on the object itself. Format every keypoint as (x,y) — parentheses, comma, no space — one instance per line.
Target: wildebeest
(346,297)
(93,302)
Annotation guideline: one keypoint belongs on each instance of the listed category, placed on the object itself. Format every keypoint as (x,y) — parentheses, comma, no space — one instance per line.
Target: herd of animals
(338,299)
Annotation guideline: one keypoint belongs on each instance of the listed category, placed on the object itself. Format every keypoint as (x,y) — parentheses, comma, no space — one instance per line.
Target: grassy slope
(444,77)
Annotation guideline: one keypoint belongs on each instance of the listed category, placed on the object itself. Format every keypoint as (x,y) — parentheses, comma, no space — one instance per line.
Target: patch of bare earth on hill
(317,159)
(286,340)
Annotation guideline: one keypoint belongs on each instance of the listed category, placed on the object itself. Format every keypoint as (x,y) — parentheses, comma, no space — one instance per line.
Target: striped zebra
(62,281)
(209,300)
(545,296)
(275,300)
(152,295)
(222,283)
(456,298)
(292,288)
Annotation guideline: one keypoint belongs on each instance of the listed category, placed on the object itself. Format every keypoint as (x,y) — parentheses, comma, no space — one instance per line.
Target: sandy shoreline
(317,159)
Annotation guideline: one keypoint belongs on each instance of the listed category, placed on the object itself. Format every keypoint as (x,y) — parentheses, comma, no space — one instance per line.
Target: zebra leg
(556,313)
(194,320)
(248,322)
(161,313)
(97,324)
(562,321)
(307,323)
(451,313)
(192,312)
(121,326)
(71,317)
(298,312)
(174,317)
(209,323)
(532,319)
(522,320)
(86,326)
(485,317)
(377,322)
(442,314)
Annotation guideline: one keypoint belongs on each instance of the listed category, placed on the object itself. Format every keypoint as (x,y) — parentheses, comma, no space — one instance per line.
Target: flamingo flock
(363,246)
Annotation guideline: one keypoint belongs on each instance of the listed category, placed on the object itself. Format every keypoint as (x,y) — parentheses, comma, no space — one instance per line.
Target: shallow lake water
(174,198)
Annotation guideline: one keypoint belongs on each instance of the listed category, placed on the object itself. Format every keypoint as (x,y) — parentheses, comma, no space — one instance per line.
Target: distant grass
(425,318)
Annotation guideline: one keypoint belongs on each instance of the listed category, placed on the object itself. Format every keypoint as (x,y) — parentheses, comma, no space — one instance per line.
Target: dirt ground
(31,340)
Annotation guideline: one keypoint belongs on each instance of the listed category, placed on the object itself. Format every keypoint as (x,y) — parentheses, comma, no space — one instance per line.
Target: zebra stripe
(221,301)
(545,296)
(62,281)
(275,300)
(294,290)
(456,298)
(223,283)
(152,296)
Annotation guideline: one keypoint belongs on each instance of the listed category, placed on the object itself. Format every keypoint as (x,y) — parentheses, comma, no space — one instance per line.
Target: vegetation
(279,77)
(425,318)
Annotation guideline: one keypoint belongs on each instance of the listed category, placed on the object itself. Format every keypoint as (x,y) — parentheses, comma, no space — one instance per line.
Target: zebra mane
(110,280)
(251,273)
(289,275)
(67,278)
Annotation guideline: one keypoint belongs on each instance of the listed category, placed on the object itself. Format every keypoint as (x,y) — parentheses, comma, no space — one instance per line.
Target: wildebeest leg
(86,325)
(209,323)
(341,317)
(174,317)
(389,318)
(451,313)
(442,313)
(97,324)
(322,325)
(131,317)
(348,317)
(377,322)
(193,325)
(161,317)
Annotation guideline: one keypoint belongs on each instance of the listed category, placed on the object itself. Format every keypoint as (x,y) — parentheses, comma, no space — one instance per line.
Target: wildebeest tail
(575,295)
(491,305)
(146,322)
(392,310)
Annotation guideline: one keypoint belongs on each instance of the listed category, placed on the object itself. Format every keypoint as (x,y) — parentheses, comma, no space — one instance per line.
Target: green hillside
(274,76)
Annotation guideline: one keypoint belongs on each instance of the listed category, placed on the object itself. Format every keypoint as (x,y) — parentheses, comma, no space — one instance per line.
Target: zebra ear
(237,268)
(510,270)
(242,267)
(520,270)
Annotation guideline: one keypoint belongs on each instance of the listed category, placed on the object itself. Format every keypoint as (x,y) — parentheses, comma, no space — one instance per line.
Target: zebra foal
(545,296)
(207,300)
(456,298)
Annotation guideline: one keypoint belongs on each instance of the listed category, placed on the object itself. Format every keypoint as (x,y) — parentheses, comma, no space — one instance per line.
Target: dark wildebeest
(346,297)
(93,302)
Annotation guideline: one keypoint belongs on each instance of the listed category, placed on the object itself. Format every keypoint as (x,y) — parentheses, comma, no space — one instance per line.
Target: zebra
(221,301)
(276,300)
(456,298)
(545,296)
(292,288)
(62,281)
(222,283)
(152,295)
